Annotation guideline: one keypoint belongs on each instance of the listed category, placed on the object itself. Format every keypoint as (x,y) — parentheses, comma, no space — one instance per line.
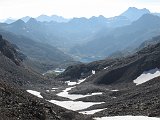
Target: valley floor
(93,102)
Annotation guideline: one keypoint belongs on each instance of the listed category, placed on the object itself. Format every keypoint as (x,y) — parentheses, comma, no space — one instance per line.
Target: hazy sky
(72,8)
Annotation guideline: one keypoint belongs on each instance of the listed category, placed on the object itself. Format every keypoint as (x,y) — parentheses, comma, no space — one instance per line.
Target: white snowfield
(92,111)
(35,93)
(75,83)
(147,75)
(127,118)
(71,83)
(65,94)
(74,105)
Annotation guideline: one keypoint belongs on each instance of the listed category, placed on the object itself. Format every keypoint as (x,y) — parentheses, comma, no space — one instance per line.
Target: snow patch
(93,72)
(146,76)
(65,94)
(35,93)
(75,83)
(92,111)
(74,105)
(71,83)
(127,118)
(114,90)
(54,88)
(80,81)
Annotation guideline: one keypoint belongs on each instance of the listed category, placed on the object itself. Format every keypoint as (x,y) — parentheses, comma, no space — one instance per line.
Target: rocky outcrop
(10,51)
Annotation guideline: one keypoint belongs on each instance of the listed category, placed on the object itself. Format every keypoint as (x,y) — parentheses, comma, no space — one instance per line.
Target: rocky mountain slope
(9,51)
(41,57)
(15,102)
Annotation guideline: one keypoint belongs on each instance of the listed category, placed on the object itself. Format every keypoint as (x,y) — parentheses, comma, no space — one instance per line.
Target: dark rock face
(9,51)
(0,37)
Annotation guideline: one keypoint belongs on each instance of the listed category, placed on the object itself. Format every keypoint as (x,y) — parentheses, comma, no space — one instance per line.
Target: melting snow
(114,90)
(127,118)
(74,105)
(54,88)
(147,75)
(35,93)
(80,81)
(93,72)
(65,94)
(71,83)
(92,111)
(75,83)
(71,105)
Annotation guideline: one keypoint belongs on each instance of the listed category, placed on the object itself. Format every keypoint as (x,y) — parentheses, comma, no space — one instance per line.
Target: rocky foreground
(15,102)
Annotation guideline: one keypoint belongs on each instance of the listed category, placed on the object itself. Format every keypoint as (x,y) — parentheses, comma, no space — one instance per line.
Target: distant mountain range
(72,35)
(45,18)
(41,18)
(131,14)
(122,38)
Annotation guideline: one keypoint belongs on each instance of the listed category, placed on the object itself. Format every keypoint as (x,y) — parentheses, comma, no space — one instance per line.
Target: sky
(72,8)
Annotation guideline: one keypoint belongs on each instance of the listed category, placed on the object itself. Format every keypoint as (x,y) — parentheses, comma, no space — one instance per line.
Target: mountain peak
(25,19)
(137,10)
(9,21)
(18,23)
(134,13)
(132,8)
(32,21)
(56,18)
